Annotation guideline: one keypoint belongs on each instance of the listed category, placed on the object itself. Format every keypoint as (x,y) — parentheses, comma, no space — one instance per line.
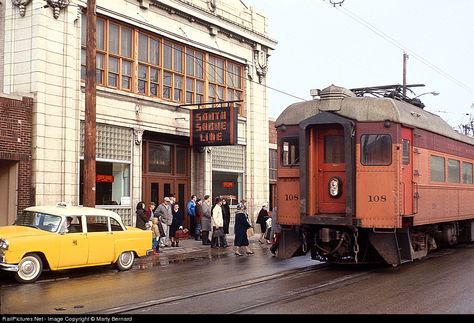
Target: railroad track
(286,275)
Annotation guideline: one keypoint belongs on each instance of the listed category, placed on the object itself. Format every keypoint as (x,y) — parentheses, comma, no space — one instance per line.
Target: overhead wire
(234,74)
(401,46)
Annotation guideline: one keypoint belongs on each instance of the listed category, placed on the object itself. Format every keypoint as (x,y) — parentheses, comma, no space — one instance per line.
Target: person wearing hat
(240,229)
(165,216)
(149,214)
(262,220)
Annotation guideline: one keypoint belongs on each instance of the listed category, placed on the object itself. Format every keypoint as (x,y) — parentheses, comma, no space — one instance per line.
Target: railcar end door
(331,164)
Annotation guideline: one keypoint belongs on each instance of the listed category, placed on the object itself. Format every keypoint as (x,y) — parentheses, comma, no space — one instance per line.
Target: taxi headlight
(4,244)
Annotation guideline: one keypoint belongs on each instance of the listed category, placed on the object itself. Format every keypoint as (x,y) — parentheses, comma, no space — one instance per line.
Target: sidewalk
(191,249)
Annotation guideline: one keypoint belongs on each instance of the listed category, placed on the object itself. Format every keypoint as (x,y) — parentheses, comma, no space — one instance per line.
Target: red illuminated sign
(104,178)
(227,184)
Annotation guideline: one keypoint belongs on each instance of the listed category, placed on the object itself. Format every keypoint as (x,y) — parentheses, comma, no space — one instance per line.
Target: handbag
(268,233)
(182,234)
(250,232)
(218,233)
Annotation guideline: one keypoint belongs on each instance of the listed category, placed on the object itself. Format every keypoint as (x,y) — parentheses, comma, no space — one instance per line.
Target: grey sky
(361,43)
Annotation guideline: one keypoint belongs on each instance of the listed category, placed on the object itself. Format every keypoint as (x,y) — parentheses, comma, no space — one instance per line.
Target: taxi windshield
(42,221)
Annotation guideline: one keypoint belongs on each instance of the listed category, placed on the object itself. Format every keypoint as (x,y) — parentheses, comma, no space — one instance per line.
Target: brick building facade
(15,155)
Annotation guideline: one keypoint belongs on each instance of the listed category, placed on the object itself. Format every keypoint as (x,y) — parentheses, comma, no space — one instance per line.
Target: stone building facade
(156,60)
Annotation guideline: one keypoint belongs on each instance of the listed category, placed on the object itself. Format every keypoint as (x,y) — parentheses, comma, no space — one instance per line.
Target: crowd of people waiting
(209,223)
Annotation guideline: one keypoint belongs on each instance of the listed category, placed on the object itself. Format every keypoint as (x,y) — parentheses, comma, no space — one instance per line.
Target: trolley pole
(90,109)
(405,58)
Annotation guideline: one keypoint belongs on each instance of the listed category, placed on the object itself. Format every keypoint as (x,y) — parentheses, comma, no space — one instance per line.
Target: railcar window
(406,152)
(334,149)
(453,171)
(466,173)
(376,150)
(290,152)
(437,169)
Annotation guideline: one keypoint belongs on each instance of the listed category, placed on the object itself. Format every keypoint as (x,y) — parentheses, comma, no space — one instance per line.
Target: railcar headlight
(335,187)
(4,244)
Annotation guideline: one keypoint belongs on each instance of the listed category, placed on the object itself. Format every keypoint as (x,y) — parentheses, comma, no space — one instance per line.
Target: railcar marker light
(335,187)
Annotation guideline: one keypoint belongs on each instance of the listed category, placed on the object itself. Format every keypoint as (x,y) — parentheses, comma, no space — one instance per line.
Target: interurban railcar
(366,179)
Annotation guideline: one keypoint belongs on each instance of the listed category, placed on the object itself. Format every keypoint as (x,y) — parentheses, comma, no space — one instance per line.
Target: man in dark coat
(226,218)
(225,215)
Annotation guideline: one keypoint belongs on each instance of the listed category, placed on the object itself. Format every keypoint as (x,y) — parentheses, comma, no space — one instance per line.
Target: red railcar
(367,179)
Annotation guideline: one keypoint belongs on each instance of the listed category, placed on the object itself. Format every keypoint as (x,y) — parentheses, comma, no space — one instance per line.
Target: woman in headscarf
(141,216)
(241,225)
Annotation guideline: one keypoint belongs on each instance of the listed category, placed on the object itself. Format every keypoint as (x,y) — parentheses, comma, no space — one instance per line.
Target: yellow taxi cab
(63,236)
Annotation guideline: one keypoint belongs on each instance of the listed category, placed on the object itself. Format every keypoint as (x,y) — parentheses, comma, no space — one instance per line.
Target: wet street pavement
(197,279)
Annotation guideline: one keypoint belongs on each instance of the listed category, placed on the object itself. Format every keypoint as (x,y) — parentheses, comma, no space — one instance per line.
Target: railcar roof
(368,109)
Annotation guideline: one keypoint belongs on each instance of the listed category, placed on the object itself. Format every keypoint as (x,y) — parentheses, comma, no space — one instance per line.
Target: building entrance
(166,172)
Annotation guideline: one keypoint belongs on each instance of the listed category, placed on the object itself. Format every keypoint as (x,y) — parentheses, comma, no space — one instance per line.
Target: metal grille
(113,142)
(228,157)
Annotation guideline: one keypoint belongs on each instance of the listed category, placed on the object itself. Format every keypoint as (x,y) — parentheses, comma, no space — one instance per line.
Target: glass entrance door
(156,189)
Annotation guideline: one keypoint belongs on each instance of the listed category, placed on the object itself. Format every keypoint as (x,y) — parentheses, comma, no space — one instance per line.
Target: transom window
(133,60)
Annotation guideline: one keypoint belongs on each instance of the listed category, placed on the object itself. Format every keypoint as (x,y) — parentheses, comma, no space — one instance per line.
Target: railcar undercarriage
(346,245)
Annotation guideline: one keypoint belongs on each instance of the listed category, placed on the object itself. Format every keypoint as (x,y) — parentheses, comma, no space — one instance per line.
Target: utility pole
(405,58)
(90,109)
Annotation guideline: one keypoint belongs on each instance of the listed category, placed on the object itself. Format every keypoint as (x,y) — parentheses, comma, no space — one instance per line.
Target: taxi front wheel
(125,260)
(29,269)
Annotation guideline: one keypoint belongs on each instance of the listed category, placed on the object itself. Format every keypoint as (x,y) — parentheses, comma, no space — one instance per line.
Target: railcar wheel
(125,260)
(29,269)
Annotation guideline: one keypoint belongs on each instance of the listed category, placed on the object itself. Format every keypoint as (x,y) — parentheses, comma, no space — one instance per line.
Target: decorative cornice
(213,29)
(21,4)
(212,5)
(57,5)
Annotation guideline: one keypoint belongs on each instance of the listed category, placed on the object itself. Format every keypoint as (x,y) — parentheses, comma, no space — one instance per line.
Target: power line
(234,74)
(399,45)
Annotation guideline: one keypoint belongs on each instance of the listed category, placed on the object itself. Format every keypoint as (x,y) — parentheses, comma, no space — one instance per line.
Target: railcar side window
(437,169)
(290,152)
(406,152)
(466,173)
(376,150)
(453,171)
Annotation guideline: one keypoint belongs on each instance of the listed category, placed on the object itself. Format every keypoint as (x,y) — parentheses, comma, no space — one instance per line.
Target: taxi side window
(114,225)
(96,223)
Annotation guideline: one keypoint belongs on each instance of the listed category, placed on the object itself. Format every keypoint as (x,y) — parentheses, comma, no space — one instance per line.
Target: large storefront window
(112,183)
